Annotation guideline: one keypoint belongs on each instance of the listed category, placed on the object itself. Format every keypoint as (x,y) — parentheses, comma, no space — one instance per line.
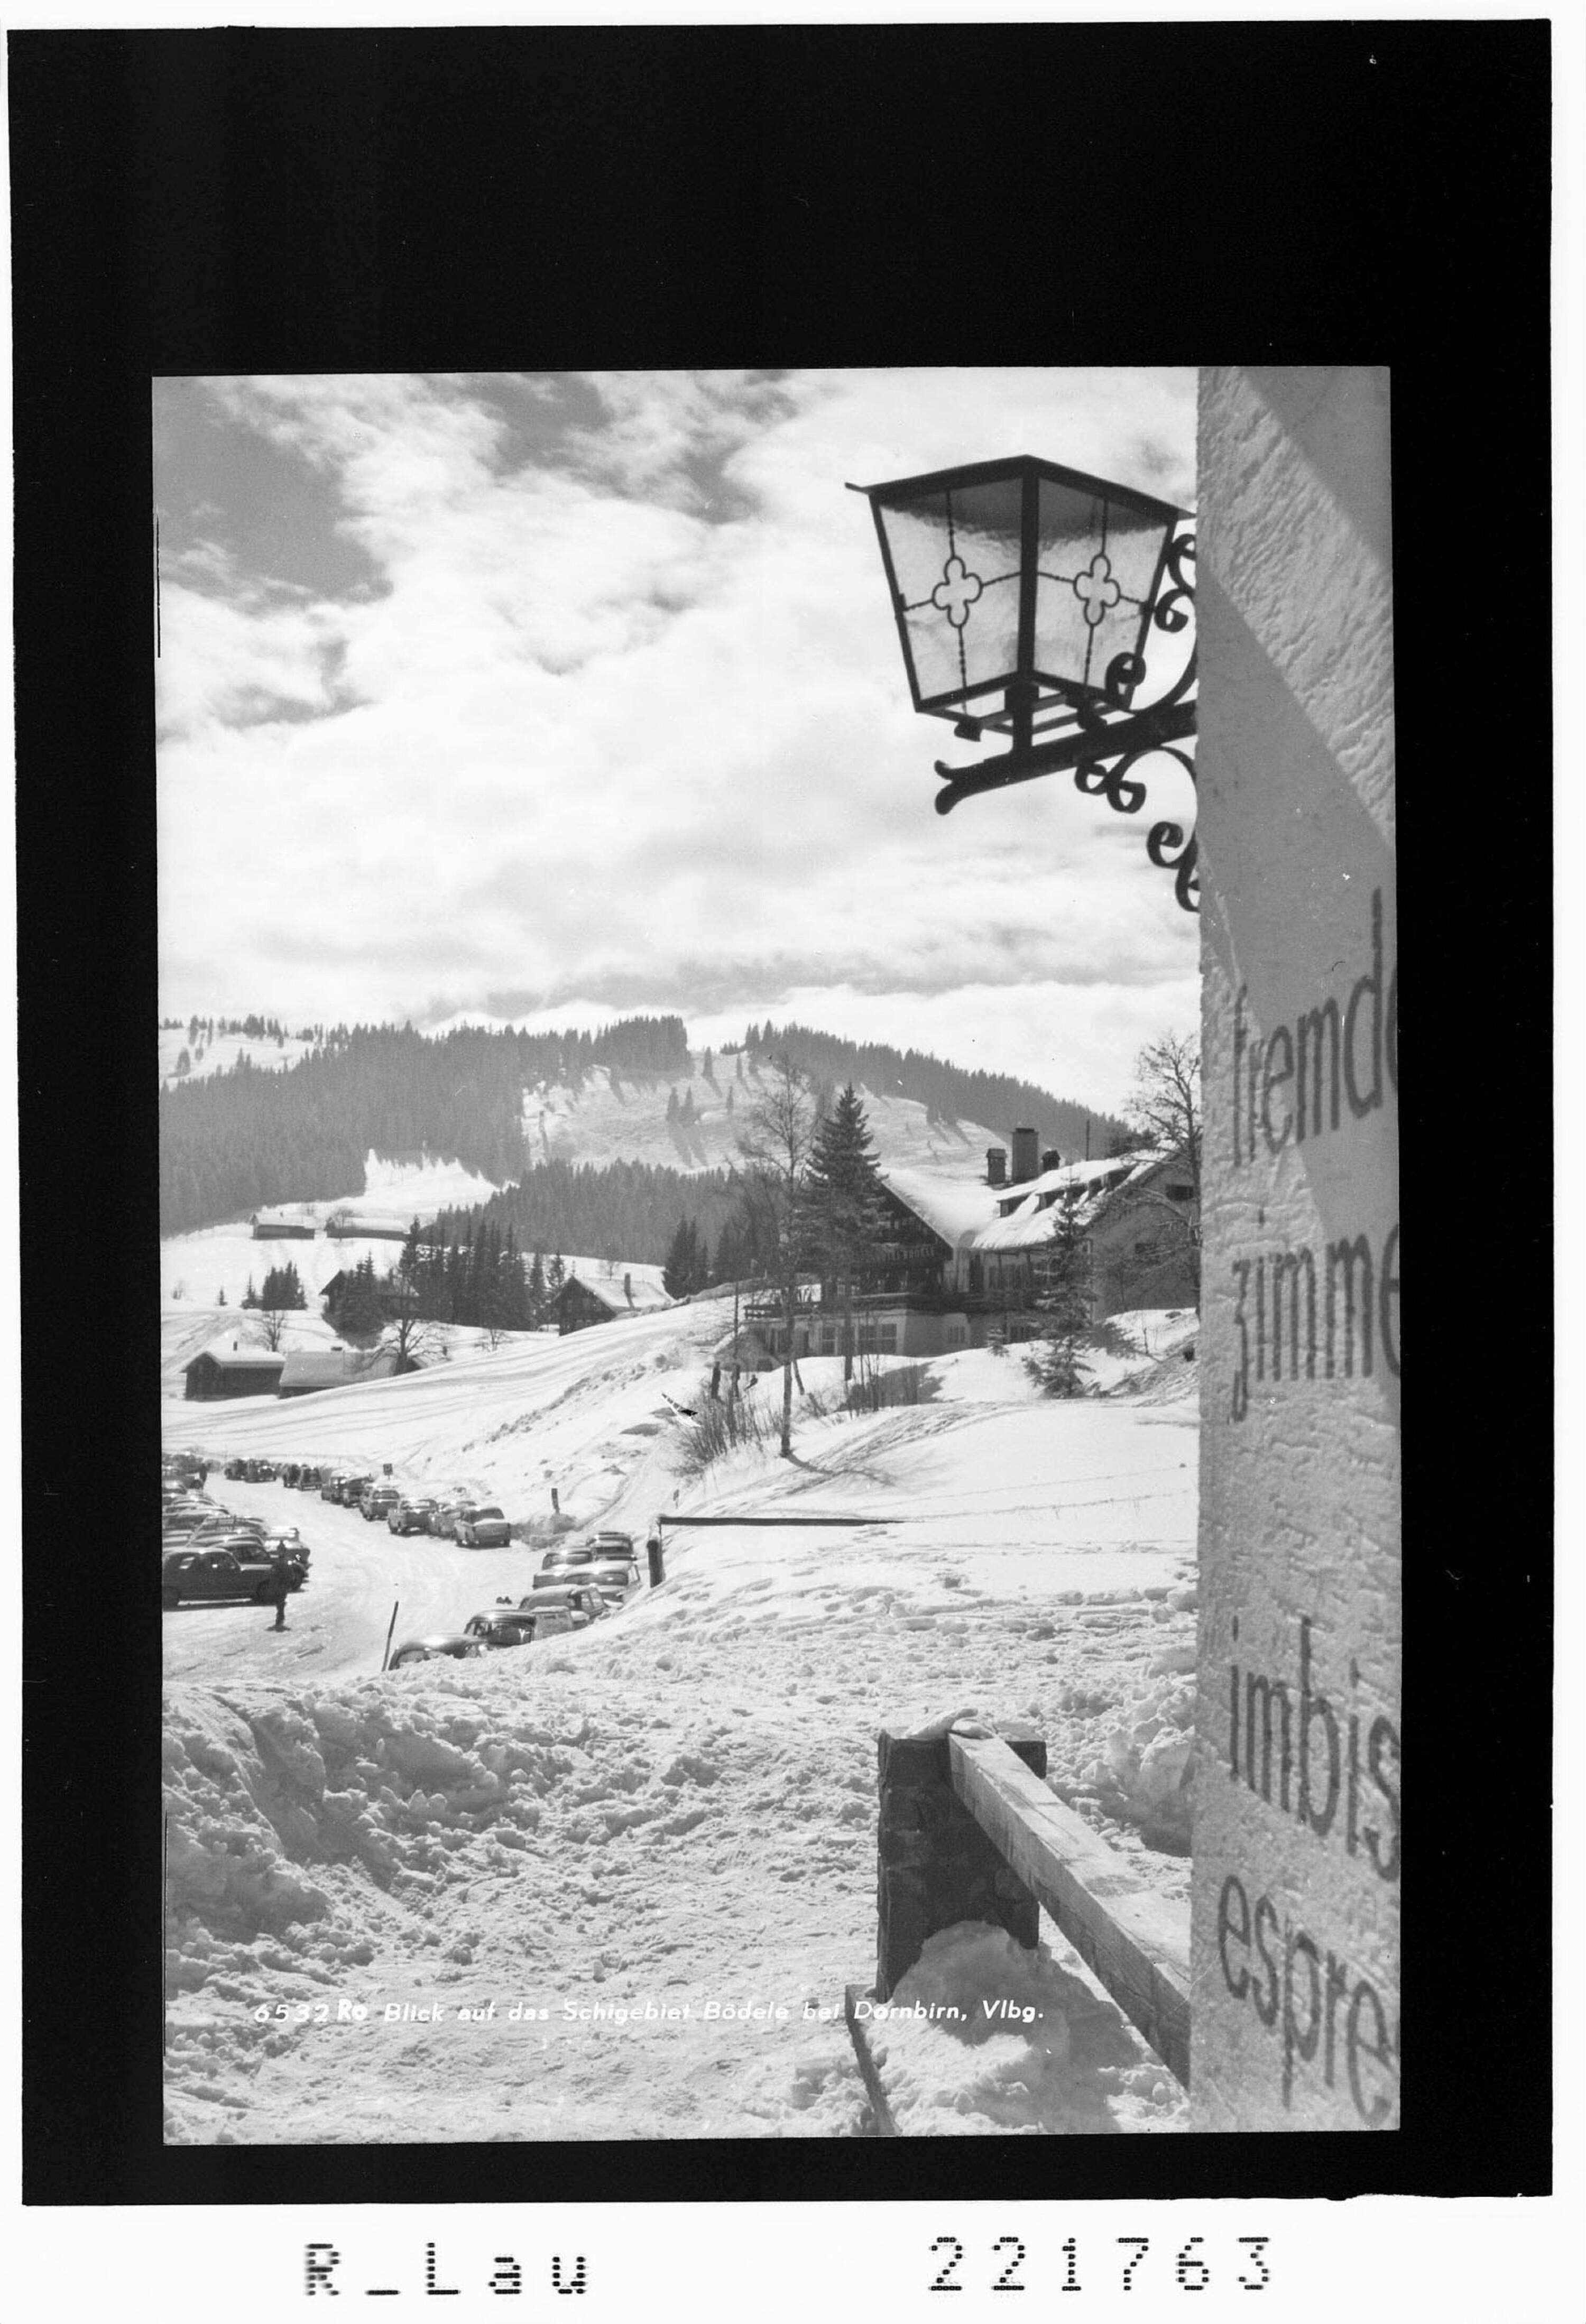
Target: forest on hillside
(949,1094)
(624,1210)
(231,1141)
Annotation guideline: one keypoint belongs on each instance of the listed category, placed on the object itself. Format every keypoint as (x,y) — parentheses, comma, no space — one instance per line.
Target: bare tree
(415,1340)
(777,1143)
(1164,1112)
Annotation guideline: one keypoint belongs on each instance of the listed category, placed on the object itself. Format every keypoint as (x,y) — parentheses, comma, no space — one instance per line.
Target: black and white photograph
(677,1251)
(715,799)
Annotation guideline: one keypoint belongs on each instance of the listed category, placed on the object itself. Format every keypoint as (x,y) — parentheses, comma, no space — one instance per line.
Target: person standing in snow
(276,1594)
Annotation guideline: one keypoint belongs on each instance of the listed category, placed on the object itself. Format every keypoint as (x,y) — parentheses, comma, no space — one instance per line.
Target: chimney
(1051,1160)
(1025,1165)
(996,1166)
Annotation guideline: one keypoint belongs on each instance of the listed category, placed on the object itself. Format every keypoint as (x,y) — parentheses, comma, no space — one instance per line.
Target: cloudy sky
(565,696)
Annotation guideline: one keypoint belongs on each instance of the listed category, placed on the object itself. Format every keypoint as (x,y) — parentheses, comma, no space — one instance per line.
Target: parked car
(582,1600)
(350,1491)
(613,1573)
(623,1542)
(330,1485)
(375,1501)
(551,1619)
(287,1542)
(443,1517)
(501,1625)
(457,1643)
(480,1525)
(219,1573)
(407,1515)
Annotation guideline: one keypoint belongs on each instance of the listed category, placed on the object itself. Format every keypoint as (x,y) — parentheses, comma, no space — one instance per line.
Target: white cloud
(593,740)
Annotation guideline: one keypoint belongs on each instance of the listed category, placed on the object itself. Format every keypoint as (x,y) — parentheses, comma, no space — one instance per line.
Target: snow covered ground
(614,1887)
(197,1268)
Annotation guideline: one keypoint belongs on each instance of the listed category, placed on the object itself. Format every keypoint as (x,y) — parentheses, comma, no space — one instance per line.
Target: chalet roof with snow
(333,1368)
(957,1209)
(630,1291)
(975,1216)
(347,1223)
(241,1358)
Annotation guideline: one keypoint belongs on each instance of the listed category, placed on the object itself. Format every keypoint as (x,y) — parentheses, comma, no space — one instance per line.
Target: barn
(232,1370)
(306,1374)
(636,1292)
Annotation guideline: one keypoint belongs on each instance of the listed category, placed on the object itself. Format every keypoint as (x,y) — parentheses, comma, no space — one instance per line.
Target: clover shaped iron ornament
(1096,589)
(956,591)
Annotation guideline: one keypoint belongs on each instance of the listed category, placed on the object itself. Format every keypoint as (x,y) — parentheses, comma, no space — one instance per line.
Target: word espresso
(1010,2267)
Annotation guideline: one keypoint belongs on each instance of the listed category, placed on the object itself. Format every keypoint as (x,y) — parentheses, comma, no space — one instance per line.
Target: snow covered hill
(202,1264)
(638,1837)
(618,1117)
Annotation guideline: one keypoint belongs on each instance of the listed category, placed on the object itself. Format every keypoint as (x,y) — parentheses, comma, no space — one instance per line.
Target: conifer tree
(1063,1298)
(685,1265)
(777,1145)
(844,1204)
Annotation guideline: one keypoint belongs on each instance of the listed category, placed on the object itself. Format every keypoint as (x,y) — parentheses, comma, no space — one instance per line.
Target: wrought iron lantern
(1029,602)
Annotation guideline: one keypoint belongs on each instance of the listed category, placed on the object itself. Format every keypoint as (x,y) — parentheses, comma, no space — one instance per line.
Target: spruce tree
(1062,1299)
(843,1204)
(681,1273)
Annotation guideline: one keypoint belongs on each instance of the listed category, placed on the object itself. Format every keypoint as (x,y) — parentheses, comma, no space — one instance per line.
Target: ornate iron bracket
(1104,746)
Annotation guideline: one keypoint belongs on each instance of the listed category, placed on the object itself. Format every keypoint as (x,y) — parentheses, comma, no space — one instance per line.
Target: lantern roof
(1020,464)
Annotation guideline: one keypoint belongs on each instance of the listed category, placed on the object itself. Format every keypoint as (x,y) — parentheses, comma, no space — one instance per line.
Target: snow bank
(983,2038)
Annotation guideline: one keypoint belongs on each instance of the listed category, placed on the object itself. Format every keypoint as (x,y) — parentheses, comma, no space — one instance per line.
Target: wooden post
(1136,1942)
(936,1867)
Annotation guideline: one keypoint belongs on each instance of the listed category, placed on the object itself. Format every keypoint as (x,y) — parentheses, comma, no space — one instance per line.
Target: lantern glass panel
(955,560)
(1097,565)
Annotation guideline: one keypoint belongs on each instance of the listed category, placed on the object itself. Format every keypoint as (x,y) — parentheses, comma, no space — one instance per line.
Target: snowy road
(336,1623)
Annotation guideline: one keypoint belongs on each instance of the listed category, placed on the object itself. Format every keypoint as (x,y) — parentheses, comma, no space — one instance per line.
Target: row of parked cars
(578,1584)
(456,1516)
(208,1552)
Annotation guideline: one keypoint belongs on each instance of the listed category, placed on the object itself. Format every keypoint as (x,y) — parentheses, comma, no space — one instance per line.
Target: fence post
(934,1864)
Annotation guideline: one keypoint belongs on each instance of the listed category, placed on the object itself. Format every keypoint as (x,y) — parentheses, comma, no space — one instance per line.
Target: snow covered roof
(970,1214)
(237,1358)
(1075,1177)
(334,1368)
(955,1208)
(278,1214)
(630,1291)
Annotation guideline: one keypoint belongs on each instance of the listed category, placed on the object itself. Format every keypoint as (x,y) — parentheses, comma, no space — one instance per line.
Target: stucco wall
(1296,1878)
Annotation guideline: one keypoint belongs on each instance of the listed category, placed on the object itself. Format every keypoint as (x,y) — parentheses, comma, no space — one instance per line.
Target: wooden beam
(1134,1941)
(885,2126)
(836,1518)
